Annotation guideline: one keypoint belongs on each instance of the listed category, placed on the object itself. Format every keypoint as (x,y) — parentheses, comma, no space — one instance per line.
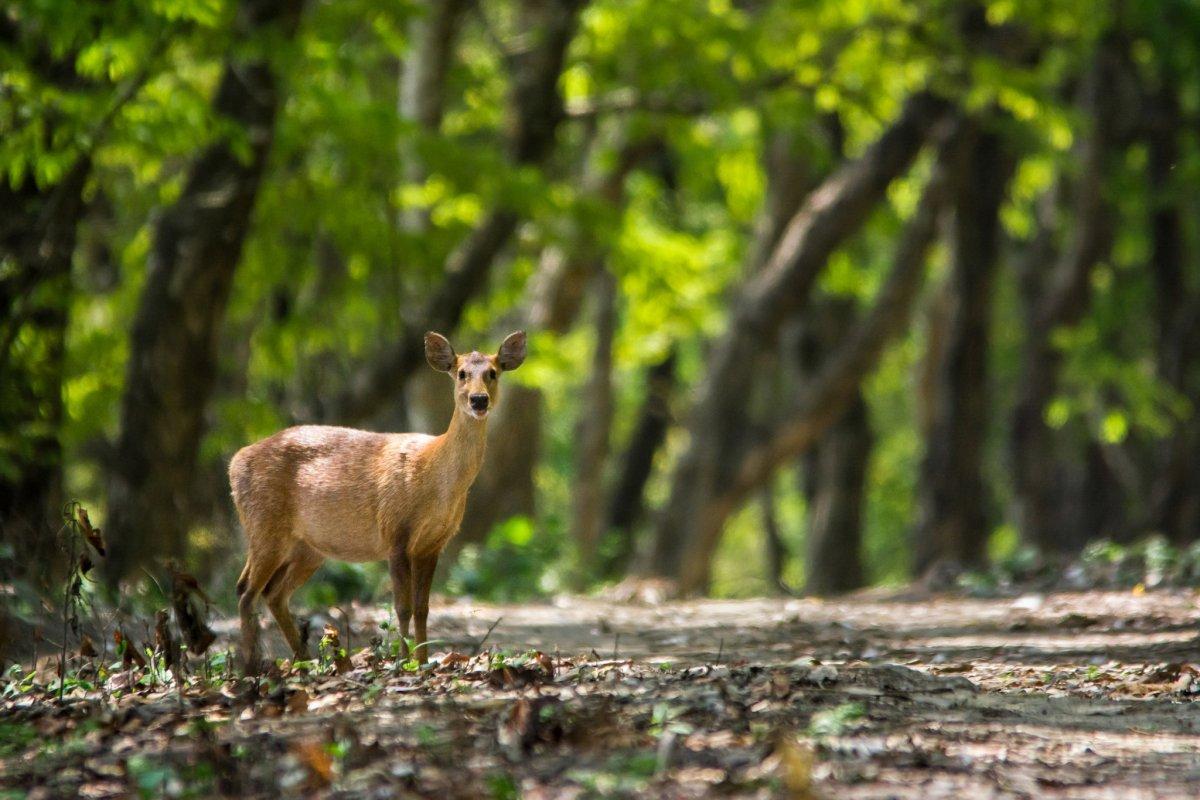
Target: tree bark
(790,178)
(834,473)
(173,345)
(37,240)
(830,215)
(592,434)
(627,505)
(776,550)
(837,492)
(1175,505)
(952,525)
(1059,299)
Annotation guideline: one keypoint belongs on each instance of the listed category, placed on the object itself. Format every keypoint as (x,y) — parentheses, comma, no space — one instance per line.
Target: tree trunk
(627,505)
(776,549)
(1175,506)
(1054,300)
(37,240)
(698,504)
(835,468)
(173,346)
(952,528)
(592,434)
(790,178)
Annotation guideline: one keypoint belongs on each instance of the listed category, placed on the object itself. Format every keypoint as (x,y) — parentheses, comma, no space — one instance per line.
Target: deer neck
(460,449)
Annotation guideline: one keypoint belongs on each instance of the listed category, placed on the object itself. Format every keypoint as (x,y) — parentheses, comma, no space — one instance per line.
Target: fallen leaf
(297,702)
(795,768)
(318,762)
(87,649)
(92,535)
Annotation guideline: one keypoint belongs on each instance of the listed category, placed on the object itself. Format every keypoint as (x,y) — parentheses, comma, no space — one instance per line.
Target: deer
(315,492)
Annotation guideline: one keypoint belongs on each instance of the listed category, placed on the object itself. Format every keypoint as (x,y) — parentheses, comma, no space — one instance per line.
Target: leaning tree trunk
(952,525)
(823,400)
(173,346)
(834,474)
(831,215)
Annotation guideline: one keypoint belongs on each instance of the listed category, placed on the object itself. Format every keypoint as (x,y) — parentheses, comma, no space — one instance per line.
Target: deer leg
(255,575)
(400,569)
(300,567)
(423,568)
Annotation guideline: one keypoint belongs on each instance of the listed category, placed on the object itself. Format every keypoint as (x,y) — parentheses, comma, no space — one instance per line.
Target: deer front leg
(423,568)
(400,568)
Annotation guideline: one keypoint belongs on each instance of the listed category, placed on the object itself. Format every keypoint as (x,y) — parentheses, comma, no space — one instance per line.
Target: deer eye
(462,374)
(491,374)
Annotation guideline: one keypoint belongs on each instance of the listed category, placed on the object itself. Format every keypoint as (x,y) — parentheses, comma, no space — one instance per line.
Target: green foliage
(16,736)
(337,583)
(1151,562)
(837,720)
(503,787)
(511,565)
(334,269)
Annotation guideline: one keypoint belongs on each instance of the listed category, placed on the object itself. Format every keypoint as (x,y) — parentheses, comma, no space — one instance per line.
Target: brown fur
(314,492)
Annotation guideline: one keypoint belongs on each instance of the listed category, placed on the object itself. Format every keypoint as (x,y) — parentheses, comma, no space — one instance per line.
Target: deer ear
(438,352)
(512,352)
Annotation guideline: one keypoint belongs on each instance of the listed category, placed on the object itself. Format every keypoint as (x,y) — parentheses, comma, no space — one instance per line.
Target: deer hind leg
(260,567)
(301,564)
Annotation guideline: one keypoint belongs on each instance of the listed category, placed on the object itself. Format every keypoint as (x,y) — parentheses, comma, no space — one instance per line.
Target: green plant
(665,719)
(509,566)
(837,720)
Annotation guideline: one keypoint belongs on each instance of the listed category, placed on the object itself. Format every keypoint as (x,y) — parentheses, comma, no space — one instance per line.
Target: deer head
(476,375)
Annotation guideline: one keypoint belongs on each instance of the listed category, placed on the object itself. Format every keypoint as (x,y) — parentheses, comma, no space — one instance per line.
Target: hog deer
(314,492)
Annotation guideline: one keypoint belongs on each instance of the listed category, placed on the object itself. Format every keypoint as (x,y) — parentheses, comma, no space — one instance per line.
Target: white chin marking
(478,414)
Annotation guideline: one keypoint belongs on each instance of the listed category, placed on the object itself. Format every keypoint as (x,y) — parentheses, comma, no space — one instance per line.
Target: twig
(720,649)
(166,598)
(479,646)
(616,645)
(346,619)
(69,531)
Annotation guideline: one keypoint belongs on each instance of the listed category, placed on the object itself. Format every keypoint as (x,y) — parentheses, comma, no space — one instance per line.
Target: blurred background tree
(820,296)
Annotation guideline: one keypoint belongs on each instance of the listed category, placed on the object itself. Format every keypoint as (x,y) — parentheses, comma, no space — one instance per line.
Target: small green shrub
(511,565)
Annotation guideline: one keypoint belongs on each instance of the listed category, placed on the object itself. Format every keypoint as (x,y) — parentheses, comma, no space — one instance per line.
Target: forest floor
(1082,695)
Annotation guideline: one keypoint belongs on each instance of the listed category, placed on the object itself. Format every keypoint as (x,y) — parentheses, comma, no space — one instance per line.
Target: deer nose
(479,402)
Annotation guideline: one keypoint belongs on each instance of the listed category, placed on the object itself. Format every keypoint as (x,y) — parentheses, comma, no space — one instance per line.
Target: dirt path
(1087,695)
